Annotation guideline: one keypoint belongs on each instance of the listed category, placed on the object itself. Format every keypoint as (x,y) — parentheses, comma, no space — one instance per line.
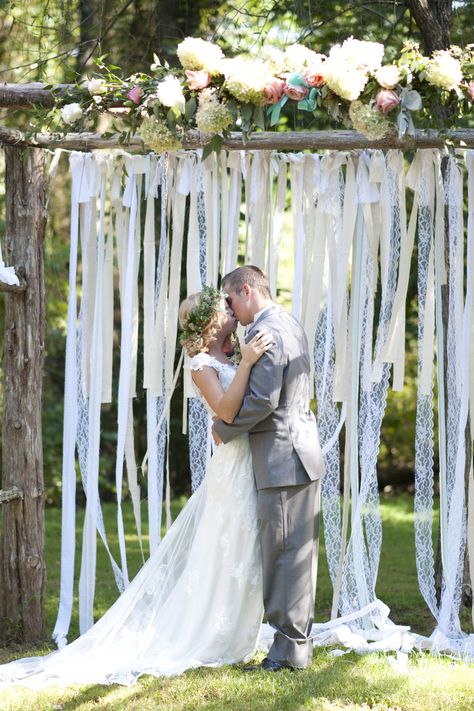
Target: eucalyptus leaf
(246,112)
(402,122)
(232,106)
(411,100)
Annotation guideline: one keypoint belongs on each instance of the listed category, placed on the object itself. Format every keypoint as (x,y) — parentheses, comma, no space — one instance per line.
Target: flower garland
(214,93)
(201,316)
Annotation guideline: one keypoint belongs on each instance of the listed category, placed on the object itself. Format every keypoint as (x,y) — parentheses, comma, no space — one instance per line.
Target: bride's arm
(226,403)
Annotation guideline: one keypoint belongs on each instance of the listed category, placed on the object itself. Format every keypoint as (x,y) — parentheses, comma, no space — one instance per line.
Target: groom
(287,463)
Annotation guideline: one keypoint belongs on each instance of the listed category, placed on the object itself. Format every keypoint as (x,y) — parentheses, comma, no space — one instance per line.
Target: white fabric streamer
(352,251)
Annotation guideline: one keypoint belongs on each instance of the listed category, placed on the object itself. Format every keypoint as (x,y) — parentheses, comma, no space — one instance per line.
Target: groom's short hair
(248,274)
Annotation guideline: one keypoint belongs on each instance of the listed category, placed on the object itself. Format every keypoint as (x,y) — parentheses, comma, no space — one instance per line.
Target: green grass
(347,682)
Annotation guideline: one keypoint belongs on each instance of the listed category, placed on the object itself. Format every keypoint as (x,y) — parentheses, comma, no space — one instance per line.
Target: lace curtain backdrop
(351,241)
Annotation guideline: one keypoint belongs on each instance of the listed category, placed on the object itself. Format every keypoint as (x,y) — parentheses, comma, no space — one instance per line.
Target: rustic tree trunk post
(22,570)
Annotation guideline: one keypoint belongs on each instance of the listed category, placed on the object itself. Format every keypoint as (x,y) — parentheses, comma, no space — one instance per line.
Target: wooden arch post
(22,569)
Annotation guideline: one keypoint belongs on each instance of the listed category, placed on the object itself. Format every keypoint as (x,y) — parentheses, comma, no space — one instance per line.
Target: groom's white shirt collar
(258,314)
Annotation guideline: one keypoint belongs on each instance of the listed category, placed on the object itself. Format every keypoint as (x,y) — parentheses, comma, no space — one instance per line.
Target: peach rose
(273,91)
(135,94)
(314,78)
(197,80)
(386,100)
(470,90)
(297,93)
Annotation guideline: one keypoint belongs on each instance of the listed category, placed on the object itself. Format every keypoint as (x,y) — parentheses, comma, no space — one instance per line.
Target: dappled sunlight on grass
(331,683)
(350,682)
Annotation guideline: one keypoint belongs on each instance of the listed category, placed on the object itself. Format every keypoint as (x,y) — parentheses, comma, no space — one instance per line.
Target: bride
(198,599)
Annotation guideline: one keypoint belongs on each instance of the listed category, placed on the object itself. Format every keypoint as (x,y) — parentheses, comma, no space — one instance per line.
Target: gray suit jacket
(275,411)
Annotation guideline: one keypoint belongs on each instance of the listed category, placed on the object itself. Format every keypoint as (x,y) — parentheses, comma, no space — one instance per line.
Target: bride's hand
(256,347)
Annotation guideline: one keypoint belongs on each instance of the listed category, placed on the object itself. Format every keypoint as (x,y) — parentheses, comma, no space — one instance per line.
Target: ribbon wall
(352,245)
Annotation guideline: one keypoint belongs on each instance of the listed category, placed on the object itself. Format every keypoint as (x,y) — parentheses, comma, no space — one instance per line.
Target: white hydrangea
(156,134)
(276,61)
(169,92)
(70,113)
(96,86)
(444,70)
(359,54)
(344,80)
(388,76)
(195,53)
(297,57)
(212,116)
(368,120)
(245,79)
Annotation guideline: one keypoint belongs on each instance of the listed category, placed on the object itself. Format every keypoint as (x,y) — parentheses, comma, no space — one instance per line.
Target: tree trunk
(22,570)
(88,12)
(434,22)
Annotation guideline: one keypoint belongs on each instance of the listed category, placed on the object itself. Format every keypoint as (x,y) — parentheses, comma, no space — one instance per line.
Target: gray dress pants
(288,520)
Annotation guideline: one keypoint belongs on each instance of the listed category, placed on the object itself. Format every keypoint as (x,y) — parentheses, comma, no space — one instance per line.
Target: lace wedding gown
(196,602)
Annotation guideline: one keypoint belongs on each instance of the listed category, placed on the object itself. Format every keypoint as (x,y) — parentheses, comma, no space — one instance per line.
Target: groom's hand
(215,436)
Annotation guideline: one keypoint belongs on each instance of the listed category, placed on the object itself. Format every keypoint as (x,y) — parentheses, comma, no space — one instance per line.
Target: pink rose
(314,78)
(297,93)
(470,90)
(273,91)
(386,100)
(197,80)
(135,94)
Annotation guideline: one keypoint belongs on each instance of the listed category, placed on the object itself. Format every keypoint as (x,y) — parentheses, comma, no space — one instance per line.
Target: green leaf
(190,108)
(207,150)
(215,144)
(259,118)
(171,120)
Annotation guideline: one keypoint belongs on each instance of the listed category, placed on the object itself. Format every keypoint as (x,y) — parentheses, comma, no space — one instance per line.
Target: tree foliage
(56,41)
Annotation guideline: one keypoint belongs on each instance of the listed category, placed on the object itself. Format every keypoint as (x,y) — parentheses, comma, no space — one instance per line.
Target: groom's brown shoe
(267,665)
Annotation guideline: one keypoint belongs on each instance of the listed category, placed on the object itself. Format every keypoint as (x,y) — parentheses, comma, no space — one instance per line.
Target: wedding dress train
(196,602)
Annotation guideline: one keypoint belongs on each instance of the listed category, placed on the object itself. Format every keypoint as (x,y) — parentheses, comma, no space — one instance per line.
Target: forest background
(57,41)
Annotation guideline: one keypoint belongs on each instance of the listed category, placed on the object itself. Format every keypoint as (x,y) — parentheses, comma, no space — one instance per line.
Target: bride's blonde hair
(201,316)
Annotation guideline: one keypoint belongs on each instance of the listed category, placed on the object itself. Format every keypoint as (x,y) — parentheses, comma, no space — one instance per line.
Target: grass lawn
(347,682)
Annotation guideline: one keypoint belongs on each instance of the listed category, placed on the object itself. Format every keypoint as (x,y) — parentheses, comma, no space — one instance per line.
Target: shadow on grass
(340,681)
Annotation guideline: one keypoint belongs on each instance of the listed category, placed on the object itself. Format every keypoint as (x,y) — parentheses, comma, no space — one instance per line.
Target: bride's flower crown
(202,315)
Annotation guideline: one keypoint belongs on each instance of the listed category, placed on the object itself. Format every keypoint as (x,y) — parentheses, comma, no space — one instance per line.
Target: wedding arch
(353,242)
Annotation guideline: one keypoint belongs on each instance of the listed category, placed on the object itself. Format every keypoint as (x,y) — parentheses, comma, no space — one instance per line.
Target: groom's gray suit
(287,464)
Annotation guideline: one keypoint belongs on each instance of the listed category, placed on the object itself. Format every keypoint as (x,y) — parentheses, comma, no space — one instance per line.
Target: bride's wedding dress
(196,602)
